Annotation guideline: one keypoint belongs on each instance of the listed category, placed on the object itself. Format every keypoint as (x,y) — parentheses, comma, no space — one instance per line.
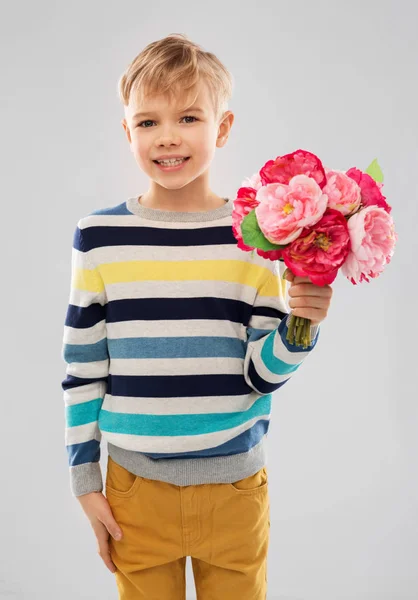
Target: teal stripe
(85,412)
(272,362)
(178,425)
(85,353)
(176,347)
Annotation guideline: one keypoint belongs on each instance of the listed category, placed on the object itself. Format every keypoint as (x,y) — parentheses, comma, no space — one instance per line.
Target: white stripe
(291,358)
(264,372)
(116,254)
(135,221)
(84,335)
(181,289)
(85,393)
(84,297)
(98,368)
(262,322)
(82,433)
(179,405)
(216,365)
(176,328)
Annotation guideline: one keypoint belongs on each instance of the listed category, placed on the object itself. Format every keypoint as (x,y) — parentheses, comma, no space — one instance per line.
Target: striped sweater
(174,342)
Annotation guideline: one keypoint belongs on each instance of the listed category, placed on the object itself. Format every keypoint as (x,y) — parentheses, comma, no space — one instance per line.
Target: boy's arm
(86,354)
(270,360)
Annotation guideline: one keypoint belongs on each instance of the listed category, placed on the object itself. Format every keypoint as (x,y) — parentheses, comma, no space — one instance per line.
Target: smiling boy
(175,340)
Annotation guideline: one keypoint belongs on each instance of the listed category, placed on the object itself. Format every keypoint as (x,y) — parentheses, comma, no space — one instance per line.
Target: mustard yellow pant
(223,527)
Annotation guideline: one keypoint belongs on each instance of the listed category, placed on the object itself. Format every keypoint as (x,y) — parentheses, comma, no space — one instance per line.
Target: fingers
(315,315)
(288,275)
(309,289)
(103,547)
(309,302)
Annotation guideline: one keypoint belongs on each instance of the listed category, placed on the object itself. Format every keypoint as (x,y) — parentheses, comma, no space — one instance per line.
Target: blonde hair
(174,65)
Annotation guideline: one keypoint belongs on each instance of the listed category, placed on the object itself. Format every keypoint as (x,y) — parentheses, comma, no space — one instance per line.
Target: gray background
(336,78)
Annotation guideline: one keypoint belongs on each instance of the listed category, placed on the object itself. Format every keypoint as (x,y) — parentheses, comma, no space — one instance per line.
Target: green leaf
(253,236)
(375,171)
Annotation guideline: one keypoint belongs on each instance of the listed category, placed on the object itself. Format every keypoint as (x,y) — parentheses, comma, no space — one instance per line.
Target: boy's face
(164,129)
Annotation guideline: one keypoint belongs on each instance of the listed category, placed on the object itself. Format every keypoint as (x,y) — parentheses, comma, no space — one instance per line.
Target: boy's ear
(127,130)
(224,128)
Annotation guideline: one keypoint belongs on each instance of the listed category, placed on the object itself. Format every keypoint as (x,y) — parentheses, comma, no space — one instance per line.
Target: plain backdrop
(336,78)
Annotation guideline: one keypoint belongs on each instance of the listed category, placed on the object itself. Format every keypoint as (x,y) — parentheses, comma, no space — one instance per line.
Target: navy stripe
(268,311)
(260,384)
(99,236)
(177,386)
(84,316)
(71,382)
(155,309)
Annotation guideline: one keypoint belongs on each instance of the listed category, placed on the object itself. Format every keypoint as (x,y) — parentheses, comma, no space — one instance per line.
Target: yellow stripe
(235,271)
(87,280)
(274,286)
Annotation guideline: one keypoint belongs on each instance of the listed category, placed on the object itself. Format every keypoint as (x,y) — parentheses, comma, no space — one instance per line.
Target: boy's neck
(194,205)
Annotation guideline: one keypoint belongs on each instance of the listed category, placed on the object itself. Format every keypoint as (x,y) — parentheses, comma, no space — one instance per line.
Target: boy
(175,340)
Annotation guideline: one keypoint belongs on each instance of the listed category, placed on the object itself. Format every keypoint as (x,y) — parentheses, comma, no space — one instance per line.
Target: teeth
(168,162)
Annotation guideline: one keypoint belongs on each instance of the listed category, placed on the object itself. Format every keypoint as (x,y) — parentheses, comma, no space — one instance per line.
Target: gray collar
(155,214)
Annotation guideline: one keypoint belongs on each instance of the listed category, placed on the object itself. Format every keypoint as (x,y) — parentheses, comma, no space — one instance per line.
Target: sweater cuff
(86,478)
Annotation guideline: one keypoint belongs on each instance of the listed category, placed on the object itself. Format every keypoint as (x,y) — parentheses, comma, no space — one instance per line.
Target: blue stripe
(84,353)
(120,209)
(255,334)
(83,413)
(178,425)
(79,454)
(176,347)
(239,444)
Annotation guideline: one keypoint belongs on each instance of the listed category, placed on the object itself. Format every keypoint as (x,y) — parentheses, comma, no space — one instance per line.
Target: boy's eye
(149,121)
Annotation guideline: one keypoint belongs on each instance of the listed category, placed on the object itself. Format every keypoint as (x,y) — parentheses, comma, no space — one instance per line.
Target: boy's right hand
(99,513)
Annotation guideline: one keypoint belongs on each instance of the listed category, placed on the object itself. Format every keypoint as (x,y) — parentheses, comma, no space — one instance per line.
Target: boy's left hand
(307,299)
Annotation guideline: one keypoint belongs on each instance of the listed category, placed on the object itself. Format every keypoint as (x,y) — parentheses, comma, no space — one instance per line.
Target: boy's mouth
(171,163)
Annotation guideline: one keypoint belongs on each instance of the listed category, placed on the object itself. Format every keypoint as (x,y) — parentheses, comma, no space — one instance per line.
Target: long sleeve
(86,355)
(270,360)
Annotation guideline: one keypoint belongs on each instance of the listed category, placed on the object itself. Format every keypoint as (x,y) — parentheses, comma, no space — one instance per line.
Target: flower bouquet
(316,220)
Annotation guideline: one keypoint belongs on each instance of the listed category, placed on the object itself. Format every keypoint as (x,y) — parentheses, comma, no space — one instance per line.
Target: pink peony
(244,203)
(253,182)
(284,210)
(300,162)
(344,194)
(370,189)
(320,250)
(373,238)
(270,254)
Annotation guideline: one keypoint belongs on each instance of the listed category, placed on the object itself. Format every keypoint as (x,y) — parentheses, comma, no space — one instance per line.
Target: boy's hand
(100,515)
(307,299)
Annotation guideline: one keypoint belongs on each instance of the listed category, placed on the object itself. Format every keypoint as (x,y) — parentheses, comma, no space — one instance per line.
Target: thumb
(111,525)
(288,275)
(114,530)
